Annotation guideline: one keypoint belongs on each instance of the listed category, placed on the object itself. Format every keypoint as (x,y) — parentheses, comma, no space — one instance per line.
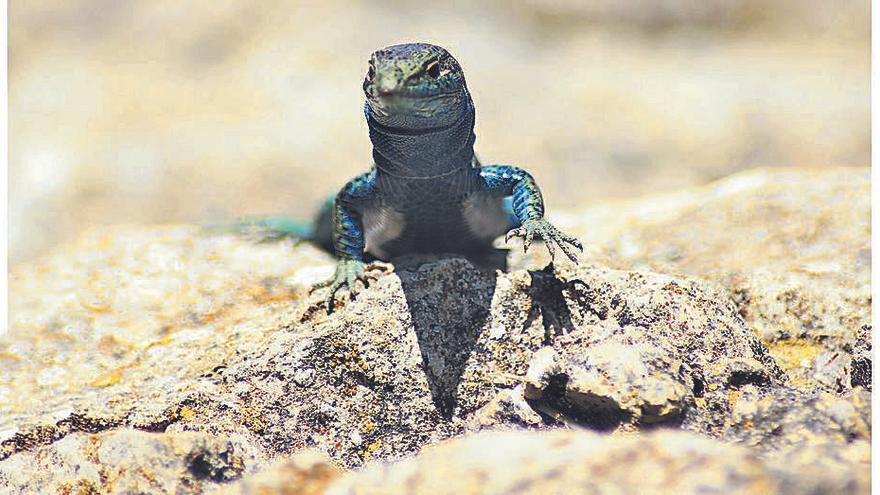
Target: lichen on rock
(164,359)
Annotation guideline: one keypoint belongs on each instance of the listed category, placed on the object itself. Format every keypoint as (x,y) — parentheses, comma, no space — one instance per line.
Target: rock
(244,354)
(150,337)
(611,379)
(124,325)
(125,461)
(784,421)
(416,358)
(792,246)
(583,462)
(815,439)
(860,366)
(306,473)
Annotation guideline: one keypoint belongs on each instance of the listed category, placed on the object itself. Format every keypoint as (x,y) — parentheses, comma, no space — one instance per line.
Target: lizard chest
(432,217)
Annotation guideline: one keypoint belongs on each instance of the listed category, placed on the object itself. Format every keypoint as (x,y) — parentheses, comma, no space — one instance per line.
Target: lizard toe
(517,232)
(569,252)
(551,249)
(529,237)
(321,285)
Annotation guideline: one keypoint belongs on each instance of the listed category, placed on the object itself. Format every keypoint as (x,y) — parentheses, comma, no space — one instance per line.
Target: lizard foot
(530,229)
(348,272)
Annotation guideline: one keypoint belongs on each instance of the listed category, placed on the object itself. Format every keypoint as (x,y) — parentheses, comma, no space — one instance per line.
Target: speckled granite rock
(126,461)
(792,246)
(151,333)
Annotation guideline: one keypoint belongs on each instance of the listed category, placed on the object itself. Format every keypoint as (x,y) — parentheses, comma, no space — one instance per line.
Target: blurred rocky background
(160,111)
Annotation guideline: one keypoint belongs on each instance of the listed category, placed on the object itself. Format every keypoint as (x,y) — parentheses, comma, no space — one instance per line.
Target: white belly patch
(381,225)
(485,216)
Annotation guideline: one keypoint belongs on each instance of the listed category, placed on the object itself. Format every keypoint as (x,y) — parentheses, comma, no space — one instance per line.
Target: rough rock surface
(793,247)
(205,358)
(126,461)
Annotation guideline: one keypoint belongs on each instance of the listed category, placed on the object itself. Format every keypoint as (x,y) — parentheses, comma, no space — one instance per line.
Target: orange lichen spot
(8,356)
(270,291)
(674,287)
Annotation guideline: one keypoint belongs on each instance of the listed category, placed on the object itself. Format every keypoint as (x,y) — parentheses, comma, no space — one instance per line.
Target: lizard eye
(434,70)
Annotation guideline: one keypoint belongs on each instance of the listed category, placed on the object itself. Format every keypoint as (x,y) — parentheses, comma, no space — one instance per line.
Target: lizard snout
(387,86)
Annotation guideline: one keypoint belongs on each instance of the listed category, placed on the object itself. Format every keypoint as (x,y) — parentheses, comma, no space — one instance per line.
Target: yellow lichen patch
(79,487)
(186,413)
(732,396)
(253,420)
(792,354)
(107,379)
(163,341)
(370,448)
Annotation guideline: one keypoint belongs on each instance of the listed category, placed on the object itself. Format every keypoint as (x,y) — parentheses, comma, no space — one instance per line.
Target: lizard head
(415,84)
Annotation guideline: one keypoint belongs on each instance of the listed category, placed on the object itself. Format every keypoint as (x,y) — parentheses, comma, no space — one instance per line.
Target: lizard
(426,191)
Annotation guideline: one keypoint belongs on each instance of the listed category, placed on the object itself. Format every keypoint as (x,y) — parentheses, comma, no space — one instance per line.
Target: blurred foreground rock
(161,359)
(563,462)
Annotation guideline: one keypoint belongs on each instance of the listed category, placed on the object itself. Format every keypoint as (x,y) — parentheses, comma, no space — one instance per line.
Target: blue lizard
(426,192)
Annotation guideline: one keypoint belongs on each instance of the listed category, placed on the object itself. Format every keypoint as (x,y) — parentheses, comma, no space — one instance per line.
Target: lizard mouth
(410,92)
(415,103)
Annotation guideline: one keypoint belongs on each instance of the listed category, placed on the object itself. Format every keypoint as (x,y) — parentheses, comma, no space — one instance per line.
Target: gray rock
(126,461)
(563,462)
(306,473)
(792,247)
(157,343)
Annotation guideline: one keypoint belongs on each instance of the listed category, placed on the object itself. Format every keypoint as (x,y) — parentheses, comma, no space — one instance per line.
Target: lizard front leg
(348,236)
(528,206)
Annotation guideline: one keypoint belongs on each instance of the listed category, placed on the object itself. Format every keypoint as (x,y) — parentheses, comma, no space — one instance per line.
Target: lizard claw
(348,272)
(512,233)
(542,229)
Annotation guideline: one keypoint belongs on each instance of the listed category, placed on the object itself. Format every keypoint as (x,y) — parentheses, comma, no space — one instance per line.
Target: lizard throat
(423,153)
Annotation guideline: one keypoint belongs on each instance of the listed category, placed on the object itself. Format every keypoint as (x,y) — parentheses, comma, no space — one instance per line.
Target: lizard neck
(422,153)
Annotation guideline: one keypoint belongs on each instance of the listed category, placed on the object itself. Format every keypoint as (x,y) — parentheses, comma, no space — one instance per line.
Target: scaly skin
(427,192)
